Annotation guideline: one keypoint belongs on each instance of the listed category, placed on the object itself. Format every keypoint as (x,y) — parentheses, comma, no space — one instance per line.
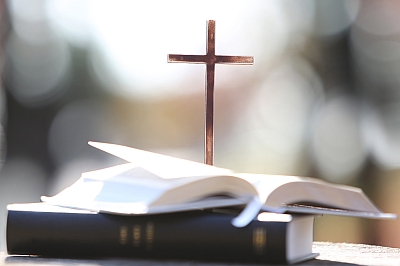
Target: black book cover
(192,235)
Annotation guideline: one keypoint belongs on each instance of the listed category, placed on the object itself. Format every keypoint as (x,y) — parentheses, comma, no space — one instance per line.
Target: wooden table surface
(330,254)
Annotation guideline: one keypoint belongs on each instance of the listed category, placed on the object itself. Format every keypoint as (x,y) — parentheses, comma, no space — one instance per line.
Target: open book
(155,183)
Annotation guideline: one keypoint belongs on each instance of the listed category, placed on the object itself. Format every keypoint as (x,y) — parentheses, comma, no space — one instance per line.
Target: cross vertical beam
(209,113)
(210,59)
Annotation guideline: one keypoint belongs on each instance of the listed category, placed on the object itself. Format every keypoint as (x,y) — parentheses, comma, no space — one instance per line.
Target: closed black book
(45,230)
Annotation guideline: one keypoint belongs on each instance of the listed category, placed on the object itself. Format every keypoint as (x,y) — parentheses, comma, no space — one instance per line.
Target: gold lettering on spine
(149,235)
(123,235)
(259,240)
(137,234)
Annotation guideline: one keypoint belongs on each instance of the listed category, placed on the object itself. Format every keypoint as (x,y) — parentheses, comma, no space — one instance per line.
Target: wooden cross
(210,59)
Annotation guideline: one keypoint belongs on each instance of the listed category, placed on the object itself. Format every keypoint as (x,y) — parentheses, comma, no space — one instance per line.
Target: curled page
(248,214)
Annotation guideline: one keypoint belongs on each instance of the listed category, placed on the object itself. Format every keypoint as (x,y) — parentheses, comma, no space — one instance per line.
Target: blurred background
(321,100)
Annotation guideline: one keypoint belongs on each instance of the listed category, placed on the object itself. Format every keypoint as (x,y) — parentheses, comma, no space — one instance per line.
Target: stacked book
(162,207)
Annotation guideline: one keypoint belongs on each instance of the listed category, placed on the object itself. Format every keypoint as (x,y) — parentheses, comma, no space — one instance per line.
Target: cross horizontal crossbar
(217,59)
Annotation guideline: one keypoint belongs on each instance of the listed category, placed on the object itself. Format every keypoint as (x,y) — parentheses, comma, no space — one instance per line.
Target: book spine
(188,235)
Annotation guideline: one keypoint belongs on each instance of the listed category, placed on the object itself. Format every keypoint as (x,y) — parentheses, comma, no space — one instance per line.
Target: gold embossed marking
(123,235)
(149,235)
(259,240)
(137,232)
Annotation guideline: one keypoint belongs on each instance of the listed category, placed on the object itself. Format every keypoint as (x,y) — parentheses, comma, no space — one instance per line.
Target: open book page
(166,167)
(107,188)
(128,189)
(154,183)
(278,192)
